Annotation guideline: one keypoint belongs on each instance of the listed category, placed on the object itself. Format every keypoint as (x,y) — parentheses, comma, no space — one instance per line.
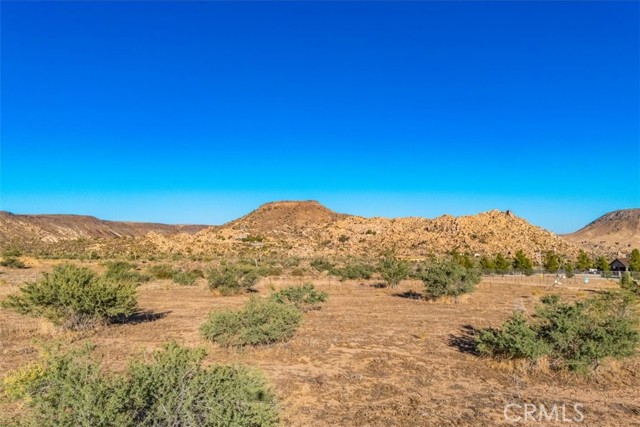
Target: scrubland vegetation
(69,388)
(577,335)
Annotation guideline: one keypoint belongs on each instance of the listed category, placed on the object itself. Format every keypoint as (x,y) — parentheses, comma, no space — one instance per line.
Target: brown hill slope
(617,231)
(310,229)
(55,228)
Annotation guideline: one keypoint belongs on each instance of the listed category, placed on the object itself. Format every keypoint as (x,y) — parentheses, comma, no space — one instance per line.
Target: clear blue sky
(198,112)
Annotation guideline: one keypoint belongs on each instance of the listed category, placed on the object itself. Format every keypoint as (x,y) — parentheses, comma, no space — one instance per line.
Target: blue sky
(198,112)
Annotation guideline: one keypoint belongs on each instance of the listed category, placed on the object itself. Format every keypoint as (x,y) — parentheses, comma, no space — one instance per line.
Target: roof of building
(623,261)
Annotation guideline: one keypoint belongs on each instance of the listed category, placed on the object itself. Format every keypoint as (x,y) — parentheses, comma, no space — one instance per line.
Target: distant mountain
(19,229)
(308,229)
(288,228)
(614,232)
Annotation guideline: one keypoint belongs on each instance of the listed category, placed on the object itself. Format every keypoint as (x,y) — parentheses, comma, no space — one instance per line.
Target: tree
(448,278)
(583,262)
(602,264)
(634,260)
(393,270)
(551,262)
(502,265)
(487,264)
(522,263)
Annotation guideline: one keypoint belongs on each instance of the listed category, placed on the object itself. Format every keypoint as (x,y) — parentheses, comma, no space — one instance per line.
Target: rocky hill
(25,229)
(310,229)
(614,233)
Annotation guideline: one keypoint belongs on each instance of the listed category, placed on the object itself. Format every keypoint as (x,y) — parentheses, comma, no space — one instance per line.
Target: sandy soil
(369,357)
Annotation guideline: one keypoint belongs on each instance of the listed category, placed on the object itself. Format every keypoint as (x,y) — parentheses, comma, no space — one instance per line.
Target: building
(619,265)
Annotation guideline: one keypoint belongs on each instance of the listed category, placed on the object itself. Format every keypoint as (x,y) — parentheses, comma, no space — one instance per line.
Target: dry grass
(369,357)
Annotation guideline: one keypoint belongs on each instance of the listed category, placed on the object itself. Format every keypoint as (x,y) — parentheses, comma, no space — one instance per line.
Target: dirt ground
(369,357)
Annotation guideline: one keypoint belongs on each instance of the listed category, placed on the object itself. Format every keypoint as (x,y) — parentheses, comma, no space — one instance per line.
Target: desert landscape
(372,355)
(319,213)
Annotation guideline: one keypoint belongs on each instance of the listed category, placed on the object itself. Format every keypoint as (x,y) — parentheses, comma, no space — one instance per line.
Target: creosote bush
(161,271)
(356,271)
(172,389)
(124,271)
(304,297)
(320,265)
(185,278)
(448,278)
(12,262)
(575,336)
(75,298)
(231,279)
(261,321)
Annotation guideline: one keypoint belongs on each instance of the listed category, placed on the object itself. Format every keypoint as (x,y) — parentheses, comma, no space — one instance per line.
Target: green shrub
(628,283)
(448,278)
(232,279)
(172,389)
(568,271)
(161,271)
(261,321)
(356,271)
(393,270)
(305,297)
(74,298)
(516,339)
(320,265)
(185,278)
(123,271)
(298,272)
(12,262)
(574,336)
(11,252)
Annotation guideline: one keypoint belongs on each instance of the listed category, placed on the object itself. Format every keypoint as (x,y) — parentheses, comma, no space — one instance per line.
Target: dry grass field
(369,357)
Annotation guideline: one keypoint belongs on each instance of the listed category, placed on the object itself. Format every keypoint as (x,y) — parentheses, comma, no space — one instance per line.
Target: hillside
(310,229)
(25,229)
(617,231)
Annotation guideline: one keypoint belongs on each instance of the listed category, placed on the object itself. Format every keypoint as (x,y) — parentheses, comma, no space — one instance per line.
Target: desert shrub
(305,297)
(574,336)
(628,283)
(261,321)
(393,270)
(74,298)
(18,383)
(320,265)
(298,272)
(357,271)
(185,278)
(291,262)
(123,271)
(448,278)
(172,389)
(11,252)
(161,271)
(231,279)
(516,339)
(12,262)
(343,238)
